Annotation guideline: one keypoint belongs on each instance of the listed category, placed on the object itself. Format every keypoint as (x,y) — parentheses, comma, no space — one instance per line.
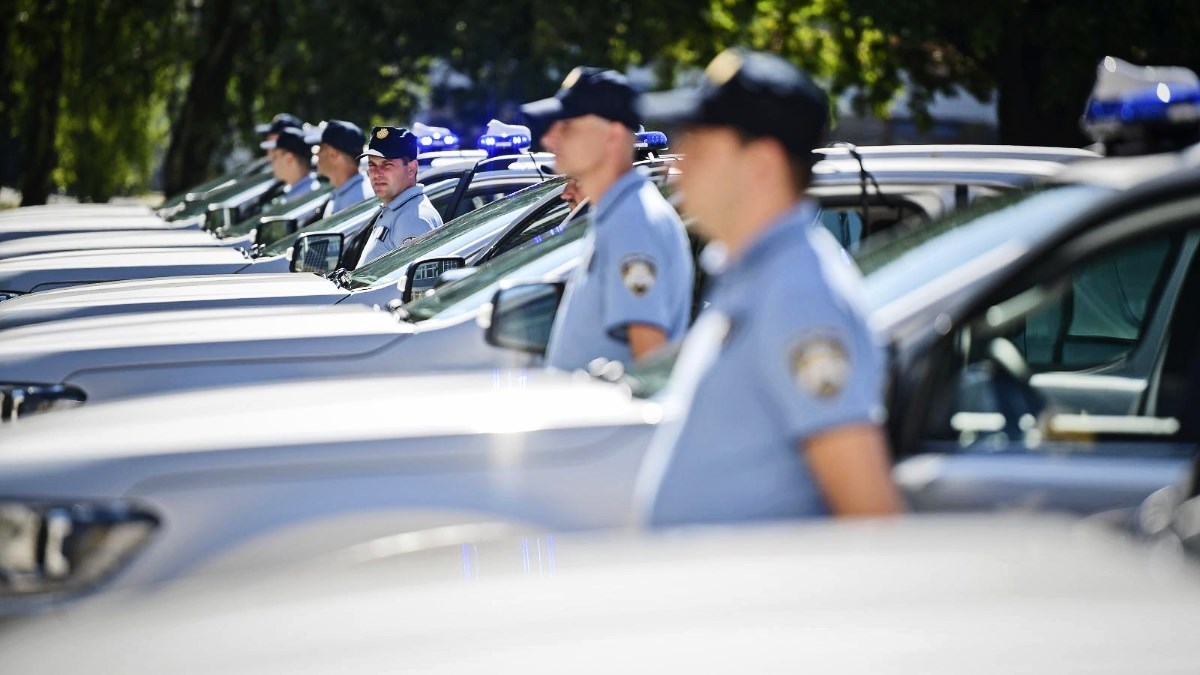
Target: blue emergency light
(435,138)
(651,140)
(504,139)
(1129,100)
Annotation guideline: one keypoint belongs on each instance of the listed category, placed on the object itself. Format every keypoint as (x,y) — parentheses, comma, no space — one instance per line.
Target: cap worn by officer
(587,91)
(291,140)
(341,135)
(279,123)
(392,143)
(758,94)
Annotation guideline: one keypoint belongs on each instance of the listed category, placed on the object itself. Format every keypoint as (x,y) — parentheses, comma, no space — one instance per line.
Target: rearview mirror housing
(317,252)
(422,275)
(522,316)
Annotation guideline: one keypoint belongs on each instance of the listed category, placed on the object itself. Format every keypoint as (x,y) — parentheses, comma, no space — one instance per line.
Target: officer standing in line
(633,294)
(337,159)
(780,382)
(406,212)
(291,163)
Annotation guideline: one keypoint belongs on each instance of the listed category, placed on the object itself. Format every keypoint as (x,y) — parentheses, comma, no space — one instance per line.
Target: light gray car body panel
(246,462)
(920,596)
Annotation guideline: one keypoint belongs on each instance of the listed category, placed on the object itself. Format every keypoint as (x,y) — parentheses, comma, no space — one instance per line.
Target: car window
(530,262)
(1064,363)
(479,195)
(390,268)
(908,257)
(361,211)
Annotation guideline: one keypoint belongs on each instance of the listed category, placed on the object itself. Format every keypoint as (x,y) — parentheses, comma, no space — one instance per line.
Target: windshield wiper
(340,277)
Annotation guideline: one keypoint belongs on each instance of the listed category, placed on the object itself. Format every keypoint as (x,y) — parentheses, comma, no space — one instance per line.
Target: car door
(1073,388)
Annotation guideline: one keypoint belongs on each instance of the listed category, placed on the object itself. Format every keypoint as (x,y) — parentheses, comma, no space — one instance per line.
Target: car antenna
(863,177)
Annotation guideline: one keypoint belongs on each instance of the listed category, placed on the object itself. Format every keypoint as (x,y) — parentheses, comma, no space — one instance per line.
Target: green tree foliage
(92,90)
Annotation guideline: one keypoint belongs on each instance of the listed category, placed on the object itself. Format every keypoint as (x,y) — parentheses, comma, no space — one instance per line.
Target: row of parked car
(199,416)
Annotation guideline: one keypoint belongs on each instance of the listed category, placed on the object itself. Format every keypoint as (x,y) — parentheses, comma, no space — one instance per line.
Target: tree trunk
(200,125)
(1028,114)
(43,88)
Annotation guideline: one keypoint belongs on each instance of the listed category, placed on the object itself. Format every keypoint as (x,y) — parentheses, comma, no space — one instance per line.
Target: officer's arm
(850,465)
(645,339)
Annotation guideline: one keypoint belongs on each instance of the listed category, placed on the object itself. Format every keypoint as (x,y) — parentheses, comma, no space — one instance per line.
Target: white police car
(455,190)
(103,358)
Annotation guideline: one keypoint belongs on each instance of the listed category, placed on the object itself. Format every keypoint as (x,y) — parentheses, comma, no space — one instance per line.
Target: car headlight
(51,547)
(21,399)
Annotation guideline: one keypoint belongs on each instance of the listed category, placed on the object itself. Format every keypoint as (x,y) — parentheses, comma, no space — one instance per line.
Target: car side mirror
(423,274)
(522,316)
(273,228)
(317,252)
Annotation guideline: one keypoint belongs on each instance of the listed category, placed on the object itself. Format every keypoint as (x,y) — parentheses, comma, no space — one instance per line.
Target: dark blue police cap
(391,143)
(344,136)
(292,140)
(279,123)
(587,91)
(754,92)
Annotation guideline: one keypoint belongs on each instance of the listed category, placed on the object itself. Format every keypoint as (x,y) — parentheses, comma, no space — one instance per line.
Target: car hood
(174,292)
(49,270)
(25,227)
(54,352)
(112,446)
(917,595)
(74,210)
(80,241)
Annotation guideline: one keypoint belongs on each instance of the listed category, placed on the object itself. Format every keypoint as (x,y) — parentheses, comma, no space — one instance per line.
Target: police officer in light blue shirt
(777,394)
(406,212)
(291,162)
(633,294)
(339,145)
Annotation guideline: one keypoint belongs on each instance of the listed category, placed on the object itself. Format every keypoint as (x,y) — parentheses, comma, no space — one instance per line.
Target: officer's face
(711,170)
(390,177)
(578,143)
(328,160)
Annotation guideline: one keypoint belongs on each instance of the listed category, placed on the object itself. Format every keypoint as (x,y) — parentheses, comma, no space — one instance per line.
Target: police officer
(269,130)
(406,212)
(340,144)
(780,381)
(291,162)
(633,295)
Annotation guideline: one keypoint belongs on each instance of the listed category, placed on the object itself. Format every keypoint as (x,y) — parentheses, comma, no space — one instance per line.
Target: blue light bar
(504,139)
(1162,103)
(651,140)
(1133,101)
(435,138)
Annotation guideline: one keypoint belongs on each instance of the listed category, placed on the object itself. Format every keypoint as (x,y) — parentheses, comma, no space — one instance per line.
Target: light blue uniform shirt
(782,354)
(637,270)
(352,192)
(300,188)
(410,214)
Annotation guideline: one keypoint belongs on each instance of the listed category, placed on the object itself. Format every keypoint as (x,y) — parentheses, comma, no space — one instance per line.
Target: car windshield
(313,199)
(541,255)
(499,214)
(199,208)
(365,207)
(911,257)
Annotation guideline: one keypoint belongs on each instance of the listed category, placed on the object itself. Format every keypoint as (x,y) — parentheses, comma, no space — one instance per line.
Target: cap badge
(638,273)
(572,78)
(381,134)
(820,366)
(723,67)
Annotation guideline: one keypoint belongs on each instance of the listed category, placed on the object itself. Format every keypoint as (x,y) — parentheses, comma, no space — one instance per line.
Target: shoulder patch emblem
(381,134)
(638,273)
(820,366)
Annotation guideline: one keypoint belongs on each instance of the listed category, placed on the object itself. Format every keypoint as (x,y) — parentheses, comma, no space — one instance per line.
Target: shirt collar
(402,198)
(625,183)
(352,184)
(775,235)
(301,184)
